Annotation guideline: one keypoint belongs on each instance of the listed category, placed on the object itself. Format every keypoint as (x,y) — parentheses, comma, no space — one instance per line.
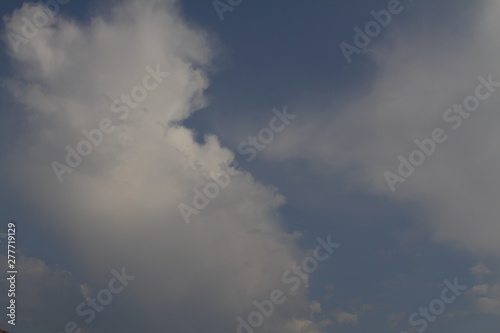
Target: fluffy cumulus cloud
(118,206)
(422,76)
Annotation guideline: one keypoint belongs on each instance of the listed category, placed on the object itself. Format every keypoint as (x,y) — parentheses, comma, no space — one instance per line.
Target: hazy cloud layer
(420,75)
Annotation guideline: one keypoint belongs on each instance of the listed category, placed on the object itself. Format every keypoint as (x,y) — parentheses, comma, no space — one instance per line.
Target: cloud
(486,297)
(301,325)
(488,305)
(119,207)
(420,73)
(346,318)
(480,270)
(395,319)
(44,295)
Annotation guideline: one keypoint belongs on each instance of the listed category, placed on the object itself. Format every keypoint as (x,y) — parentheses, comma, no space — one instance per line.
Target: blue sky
(323,174)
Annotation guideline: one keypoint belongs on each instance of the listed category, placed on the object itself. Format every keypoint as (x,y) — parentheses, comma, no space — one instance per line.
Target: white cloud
(119,208)
(419,77)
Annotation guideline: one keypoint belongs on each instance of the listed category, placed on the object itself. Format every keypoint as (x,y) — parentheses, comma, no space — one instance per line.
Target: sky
(250,166)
